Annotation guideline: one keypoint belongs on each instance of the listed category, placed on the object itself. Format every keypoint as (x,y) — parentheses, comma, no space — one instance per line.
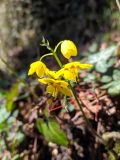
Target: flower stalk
(72,89)
(60,81)
(46,55)
(78,102)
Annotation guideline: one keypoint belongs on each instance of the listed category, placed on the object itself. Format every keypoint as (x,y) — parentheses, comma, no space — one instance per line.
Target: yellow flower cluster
(53,78)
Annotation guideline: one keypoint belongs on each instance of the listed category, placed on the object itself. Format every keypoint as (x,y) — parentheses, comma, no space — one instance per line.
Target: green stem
(56,47)
(84,116)
(57,59)
(49,54)
(78,102)
(53,53)
(72,89)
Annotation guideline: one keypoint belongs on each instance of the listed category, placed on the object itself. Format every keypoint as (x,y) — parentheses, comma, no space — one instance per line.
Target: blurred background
(94,26)
(24,22)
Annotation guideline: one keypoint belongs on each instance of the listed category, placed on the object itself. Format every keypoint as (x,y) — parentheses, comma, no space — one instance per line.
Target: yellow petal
(55,86)
(41,71)
(70,75)
(31,71)
(62,83)
(52,74)
(47,80)
(38,67)
(60,72)
(52,90)
(43,80)
(66,91)
(85,66)
(68,49)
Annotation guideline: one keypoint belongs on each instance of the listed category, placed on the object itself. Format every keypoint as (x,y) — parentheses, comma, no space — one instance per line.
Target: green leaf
(111,61)
(5,158)
(90,77)
(111,84)
(3,114)
(112,156)
(103,55)
(71,107)
(67,105)
(2,94)
(2,145)
(11,97)
(93,47)
(3,126)
(101,67)
(101,60)
(106,79)
(117,146)
(52,131)
(19,137)
(16,157)
(116,74)
(114,90)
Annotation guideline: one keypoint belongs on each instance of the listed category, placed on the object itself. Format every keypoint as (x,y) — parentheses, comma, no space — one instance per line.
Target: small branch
(57,46)
(57,59)
(49,54)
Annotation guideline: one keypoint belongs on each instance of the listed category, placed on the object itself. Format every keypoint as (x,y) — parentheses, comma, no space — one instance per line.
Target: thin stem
(56,57)
(49,54)
(56,47)
(72,89)
(84,116)
(54,53)
(78,102)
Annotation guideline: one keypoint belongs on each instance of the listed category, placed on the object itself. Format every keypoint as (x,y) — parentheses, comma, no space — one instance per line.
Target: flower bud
(68,49)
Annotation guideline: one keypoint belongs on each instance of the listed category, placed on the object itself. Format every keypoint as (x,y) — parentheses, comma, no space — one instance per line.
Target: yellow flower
(68,49)
(39,68)
(71,70)
(52,74)
(55,86)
